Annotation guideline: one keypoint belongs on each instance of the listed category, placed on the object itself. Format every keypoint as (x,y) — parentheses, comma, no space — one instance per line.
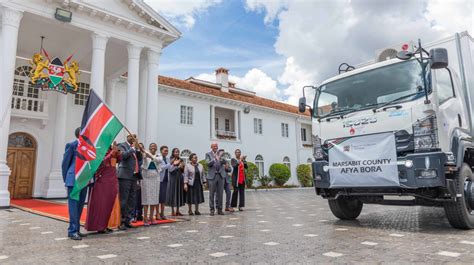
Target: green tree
(304,175)
(204,166)
(280,173)
(251,173)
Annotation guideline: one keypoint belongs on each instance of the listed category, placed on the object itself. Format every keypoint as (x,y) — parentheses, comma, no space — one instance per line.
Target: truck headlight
(317,148)
(425,134)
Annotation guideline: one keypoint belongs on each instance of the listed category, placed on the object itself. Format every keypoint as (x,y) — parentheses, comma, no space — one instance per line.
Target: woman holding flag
(103,192)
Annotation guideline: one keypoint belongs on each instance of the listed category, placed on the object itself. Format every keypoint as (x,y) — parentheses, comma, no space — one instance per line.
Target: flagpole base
(54,186)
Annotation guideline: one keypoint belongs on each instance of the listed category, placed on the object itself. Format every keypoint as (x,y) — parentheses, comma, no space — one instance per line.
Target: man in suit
(68,171)
(217,172)
(128,171)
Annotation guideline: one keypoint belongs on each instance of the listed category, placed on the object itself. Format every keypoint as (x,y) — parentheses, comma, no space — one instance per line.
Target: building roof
(254,100)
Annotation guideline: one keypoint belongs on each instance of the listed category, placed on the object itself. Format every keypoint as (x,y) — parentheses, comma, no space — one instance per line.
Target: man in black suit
(128,171)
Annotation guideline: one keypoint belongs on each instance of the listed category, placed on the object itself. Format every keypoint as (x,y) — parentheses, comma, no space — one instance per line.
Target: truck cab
(401,127)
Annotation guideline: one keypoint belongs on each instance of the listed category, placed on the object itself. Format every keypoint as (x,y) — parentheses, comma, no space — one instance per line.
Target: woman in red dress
(103,193)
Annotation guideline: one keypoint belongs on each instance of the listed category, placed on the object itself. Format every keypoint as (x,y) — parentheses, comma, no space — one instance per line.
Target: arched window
(309,161)
(21,140)
(286,162)
(260,165)
(185,155)
(21,84)
(227,156)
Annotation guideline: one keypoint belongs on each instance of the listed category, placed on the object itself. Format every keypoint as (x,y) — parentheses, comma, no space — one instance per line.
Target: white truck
(399,131)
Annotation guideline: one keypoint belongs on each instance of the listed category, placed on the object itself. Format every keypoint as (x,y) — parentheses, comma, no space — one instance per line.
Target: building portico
(106,38)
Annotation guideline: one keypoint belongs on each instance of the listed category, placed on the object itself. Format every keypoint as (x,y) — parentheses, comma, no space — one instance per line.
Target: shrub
(304,175)
(264,180)
(250,174)
(204,166)
(280,173)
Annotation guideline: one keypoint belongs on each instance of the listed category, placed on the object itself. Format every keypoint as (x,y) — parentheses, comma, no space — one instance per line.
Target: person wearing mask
(239,166)
(217,171)
(164,176)
(175,193)
(75,208)
(103,193)
(128,171)
(150,183)
(193,181)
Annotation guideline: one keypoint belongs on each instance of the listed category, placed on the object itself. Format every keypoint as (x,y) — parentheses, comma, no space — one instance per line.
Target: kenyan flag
(98,130)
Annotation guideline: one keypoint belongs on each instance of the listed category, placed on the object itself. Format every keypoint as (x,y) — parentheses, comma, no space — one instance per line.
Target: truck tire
(345,207)
(460,213)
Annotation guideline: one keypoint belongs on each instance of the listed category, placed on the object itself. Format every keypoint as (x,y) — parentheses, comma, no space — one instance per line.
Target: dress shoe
(190,213)
(81,234)
(227,209)
(212,213)
(128,225)
(197,213)
(75,236)
(122,227)
(220,213)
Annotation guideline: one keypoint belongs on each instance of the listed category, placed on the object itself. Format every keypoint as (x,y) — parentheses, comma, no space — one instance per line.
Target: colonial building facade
(107,39)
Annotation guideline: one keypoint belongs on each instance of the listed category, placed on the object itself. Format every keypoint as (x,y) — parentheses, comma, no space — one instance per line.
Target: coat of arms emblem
(54,75)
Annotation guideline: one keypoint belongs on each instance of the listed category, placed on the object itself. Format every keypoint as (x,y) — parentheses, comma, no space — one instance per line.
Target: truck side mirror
(439,58)
(302,105)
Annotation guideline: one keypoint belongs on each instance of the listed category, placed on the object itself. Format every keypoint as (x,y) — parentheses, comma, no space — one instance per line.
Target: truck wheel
(460,213)
(345,207)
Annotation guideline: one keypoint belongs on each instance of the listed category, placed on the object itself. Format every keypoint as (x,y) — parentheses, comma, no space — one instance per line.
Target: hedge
(304,175)
(280,174)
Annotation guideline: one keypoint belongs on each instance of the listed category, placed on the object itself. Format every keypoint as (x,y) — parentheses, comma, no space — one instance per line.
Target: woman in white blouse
(150,184)
(193,181)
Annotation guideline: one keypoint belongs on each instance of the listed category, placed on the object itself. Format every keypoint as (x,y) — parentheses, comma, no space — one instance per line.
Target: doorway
(21,158)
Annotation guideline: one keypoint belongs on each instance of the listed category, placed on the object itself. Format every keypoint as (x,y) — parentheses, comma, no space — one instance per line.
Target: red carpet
(56,210)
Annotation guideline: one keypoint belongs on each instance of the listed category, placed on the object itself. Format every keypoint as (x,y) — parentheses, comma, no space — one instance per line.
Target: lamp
(63,15)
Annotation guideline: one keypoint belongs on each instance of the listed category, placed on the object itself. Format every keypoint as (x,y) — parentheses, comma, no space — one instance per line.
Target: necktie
(136,163)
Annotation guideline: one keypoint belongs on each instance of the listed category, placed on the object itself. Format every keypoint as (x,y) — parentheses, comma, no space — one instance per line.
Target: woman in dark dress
(103,193)
(175,193)
(193,180)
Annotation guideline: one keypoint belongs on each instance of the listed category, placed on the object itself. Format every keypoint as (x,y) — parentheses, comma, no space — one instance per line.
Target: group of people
(134,183)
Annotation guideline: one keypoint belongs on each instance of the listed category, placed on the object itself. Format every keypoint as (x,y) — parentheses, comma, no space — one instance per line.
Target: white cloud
(182,12)
(316,36)
(254,80)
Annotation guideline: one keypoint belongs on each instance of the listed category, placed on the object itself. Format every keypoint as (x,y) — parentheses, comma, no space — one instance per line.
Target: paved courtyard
(288,226)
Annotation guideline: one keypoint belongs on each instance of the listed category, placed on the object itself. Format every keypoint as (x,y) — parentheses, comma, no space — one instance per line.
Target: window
(284,130)
(186,116)
(227,125)
(286,162)
(260,165)
(303,135)
(80,98)
(185,155)
(257,126)
(216,123)
(227,156)
(444,85)
(22,84)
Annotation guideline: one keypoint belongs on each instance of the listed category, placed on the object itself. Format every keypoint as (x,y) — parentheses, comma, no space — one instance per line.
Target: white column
(99,42)
(213,130)
(54,184)
(109,87)
(153,58)
(142,94)
(236,124)
(131,105)
(10,23)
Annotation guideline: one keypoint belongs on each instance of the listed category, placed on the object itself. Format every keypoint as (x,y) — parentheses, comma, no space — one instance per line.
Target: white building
(109,38)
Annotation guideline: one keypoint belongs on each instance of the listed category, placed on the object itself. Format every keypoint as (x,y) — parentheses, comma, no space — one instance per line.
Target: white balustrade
(28,107)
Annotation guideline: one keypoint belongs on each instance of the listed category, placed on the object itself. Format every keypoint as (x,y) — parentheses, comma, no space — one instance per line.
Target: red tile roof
(255,100)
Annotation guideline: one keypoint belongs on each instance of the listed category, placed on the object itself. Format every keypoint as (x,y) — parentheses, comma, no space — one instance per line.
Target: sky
(275,47)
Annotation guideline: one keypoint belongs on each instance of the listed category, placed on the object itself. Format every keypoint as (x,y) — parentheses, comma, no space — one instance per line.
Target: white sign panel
(364,161)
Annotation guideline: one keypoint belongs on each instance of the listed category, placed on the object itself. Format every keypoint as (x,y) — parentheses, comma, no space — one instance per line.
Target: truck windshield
(370,88)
